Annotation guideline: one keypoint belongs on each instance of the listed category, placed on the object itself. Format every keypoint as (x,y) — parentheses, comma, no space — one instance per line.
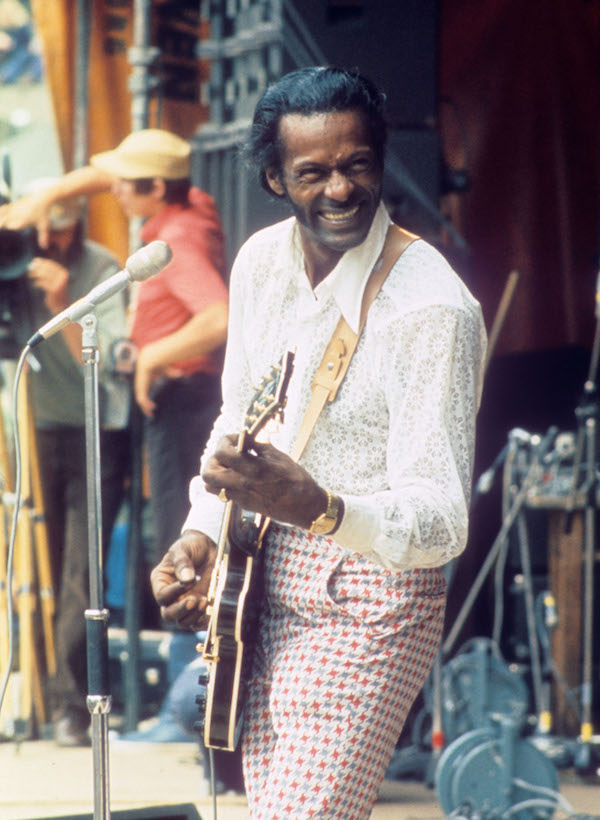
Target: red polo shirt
(190,283)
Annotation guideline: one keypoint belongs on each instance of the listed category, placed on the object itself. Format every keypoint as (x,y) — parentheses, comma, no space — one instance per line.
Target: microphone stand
(508,520)
(587,413)
(98,699)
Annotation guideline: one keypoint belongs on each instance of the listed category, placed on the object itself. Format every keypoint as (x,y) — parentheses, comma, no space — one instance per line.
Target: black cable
(13,531)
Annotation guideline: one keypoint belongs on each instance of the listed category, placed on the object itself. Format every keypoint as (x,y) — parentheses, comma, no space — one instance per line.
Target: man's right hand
(181,580)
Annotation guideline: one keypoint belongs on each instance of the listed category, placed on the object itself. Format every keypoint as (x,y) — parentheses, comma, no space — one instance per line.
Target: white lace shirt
(397,443)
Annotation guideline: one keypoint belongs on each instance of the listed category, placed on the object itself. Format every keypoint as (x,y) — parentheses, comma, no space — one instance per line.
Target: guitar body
(229,646)
(236,589)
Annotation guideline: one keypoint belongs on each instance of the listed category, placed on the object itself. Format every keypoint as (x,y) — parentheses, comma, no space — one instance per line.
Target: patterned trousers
(344,648)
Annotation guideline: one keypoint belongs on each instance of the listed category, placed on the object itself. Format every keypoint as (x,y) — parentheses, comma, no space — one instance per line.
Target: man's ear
(274,182)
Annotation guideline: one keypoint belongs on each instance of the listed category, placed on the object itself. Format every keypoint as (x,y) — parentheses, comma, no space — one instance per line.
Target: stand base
(181,811)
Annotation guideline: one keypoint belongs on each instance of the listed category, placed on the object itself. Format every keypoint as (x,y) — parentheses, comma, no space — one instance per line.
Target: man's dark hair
(177,191)
(316,90)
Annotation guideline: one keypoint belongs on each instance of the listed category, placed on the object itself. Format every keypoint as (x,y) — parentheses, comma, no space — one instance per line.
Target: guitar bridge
(211,654)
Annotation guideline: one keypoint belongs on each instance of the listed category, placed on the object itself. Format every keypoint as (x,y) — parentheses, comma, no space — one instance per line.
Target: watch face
(326,522)
(323,524)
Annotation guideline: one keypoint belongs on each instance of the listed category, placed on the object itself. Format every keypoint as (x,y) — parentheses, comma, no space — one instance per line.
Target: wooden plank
(565,564)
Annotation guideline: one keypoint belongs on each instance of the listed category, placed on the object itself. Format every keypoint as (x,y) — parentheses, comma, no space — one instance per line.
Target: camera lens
(17,249)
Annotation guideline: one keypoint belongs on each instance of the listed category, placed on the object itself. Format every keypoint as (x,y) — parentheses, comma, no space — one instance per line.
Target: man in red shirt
(180,315)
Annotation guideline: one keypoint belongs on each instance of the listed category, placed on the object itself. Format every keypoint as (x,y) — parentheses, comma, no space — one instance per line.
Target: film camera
(17,249)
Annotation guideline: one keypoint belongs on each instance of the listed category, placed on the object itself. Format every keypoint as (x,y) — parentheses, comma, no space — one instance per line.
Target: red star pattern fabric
(344,646)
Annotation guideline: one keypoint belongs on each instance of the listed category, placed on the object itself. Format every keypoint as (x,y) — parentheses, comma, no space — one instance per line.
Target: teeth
(336,216)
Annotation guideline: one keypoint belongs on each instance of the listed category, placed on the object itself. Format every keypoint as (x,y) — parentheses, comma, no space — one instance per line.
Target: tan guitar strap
(340,349)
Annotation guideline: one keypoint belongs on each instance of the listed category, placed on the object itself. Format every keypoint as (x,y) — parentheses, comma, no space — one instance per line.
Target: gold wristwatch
(327,521)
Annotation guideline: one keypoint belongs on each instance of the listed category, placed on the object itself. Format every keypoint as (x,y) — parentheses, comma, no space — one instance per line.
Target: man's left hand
(265,480)
(53,279)
(147,374)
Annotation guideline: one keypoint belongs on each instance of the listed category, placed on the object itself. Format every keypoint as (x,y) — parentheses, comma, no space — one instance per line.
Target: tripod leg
(28,579)
(37,692)
(584,762)
(534,650)
(27,525)
(5,602)
(25,608)
(5,593)
(32,700)
(42,554)
(437,727)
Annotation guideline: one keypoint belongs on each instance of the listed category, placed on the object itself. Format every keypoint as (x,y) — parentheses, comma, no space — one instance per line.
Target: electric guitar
(235,591)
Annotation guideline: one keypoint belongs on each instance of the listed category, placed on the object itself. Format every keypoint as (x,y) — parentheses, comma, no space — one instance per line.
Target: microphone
(486,479)
(144,263)
(516,435)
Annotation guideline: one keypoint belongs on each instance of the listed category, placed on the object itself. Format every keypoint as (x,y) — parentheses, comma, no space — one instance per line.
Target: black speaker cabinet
(181,811)
(394,42)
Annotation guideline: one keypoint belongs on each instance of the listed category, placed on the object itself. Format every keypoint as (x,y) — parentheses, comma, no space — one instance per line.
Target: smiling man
(330,174)
(361,523)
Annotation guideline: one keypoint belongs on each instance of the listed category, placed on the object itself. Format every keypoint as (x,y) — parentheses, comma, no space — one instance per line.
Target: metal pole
(141,57)
(81,102)
(141,85)
(98,699)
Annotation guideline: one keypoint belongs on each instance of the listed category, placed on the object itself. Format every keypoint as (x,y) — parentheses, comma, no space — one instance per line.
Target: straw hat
(147,154)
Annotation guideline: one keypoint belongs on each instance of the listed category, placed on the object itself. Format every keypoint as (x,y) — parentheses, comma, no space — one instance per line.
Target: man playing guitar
(353,601)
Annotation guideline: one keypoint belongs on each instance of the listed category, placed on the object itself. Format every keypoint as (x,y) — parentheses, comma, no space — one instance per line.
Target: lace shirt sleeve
(428,367)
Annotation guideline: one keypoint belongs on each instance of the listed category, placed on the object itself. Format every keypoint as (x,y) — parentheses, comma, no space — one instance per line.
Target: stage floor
(40,780)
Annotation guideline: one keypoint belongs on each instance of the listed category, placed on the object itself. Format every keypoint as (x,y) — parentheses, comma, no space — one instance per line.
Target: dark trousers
(62,461)
(176,436)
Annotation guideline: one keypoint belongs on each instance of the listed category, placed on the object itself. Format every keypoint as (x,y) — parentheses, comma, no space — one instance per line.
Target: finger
(43,232)
(184,569)
(243,464)
(228,444)
(167,592)
(188,612)
(147,407)
(261,448)
(216,476)
(142,396)
(217,480)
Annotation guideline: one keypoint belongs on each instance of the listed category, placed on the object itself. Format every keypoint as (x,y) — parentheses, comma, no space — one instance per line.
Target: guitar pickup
(245,532)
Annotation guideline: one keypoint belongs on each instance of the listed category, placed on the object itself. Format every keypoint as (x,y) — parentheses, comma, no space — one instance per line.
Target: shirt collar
(153,225)
(347,281)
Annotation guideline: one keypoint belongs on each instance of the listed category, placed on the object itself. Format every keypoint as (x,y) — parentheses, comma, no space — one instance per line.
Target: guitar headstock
(269,400)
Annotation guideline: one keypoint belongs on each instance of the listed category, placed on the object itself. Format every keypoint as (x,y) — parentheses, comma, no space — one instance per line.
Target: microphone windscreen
(148,260)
